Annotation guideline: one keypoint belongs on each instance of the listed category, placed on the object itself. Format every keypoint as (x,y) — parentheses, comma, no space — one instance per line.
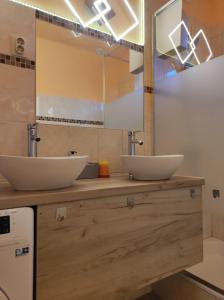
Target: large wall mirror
(86,79)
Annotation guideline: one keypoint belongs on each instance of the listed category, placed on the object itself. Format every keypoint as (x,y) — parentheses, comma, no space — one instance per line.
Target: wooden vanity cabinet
(113,248)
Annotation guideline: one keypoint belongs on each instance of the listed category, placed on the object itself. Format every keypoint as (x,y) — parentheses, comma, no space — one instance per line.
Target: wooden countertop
(90,189)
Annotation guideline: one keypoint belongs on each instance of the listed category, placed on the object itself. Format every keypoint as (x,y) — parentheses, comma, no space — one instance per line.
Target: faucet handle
(140,143)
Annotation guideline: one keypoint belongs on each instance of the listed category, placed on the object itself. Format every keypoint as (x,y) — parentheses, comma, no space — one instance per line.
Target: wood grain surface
(87,189)
(107,250)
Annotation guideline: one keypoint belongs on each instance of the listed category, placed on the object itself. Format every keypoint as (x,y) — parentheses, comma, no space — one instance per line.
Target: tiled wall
(99,144)
(17,83)
(73,110)
(218,226)
(17,104)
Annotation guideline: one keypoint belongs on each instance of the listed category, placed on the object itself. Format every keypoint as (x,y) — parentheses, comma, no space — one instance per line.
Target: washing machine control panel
(4,224)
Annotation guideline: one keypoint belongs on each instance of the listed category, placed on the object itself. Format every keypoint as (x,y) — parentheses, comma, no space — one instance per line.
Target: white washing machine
(16,254)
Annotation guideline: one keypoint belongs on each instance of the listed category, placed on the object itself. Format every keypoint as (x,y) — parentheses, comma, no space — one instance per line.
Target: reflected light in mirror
(135,9)
(101,13)
(201,32)
(98,3)
(191,43)
(76,34)
(182,23)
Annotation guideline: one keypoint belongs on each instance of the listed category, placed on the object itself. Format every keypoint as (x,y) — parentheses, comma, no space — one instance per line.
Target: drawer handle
(130,202)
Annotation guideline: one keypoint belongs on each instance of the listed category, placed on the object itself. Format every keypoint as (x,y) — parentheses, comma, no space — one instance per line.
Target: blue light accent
(171,73)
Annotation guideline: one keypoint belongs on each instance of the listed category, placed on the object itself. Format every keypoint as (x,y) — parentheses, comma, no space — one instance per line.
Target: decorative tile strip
(17,61)
(87,31)
(148,90)
(71,121)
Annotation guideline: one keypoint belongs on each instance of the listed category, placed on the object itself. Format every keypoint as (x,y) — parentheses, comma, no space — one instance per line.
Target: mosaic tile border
(87,31)
(17,61)
(69,121)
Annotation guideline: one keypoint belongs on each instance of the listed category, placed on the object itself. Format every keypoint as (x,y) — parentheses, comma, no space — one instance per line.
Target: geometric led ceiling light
(192,45)
(99,11)
(97,5)
(106,8)
(103,8)
(178,27)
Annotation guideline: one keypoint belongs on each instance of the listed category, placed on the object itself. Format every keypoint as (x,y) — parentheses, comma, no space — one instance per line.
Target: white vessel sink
(152,167)
(41,173)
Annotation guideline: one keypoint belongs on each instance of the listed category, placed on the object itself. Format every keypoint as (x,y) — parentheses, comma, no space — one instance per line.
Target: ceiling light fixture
(98,4)
(96,18)
(182,23)
(201,32)
(103,7)
(191,43)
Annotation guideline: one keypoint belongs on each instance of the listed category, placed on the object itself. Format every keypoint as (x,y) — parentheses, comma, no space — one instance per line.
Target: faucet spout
(33,139)
(132,142)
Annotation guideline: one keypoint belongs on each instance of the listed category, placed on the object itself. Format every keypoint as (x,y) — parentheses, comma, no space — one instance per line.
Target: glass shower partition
(189,109)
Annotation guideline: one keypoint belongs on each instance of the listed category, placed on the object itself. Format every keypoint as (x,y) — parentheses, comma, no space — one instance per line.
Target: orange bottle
(104,170)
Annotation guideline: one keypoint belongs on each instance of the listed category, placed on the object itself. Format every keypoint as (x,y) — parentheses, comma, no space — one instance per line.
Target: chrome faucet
(33,139)
(132,142)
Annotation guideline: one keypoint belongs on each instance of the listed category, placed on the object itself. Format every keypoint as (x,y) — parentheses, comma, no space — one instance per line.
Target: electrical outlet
(18,45)
(216,194)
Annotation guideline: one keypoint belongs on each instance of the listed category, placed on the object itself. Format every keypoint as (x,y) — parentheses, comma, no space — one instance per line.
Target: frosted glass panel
(118,116)
(127,110)
(189,119)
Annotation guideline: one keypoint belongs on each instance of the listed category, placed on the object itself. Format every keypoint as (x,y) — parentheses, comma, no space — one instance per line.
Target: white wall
(189,119)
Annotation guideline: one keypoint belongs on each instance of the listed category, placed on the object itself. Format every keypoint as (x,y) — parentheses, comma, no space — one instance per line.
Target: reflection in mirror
(86,81)
(122,19)
(187,33)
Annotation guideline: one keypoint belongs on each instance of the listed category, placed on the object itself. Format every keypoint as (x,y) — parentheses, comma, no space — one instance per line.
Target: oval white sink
(152,167)
(41,173)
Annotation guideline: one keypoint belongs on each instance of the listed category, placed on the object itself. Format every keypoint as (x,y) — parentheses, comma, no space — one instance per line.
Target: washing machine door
(3,295)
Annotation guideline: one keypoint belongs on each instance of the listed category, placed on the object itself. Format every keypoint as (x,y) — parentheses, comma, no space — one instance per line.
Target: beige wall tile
(98,144)
(140,150)
(111,147)
(148,123)
(17,94)
(84,141)
(125,142)
(207,225)
(55,140)
(17,20)
(218,226)
(13,138)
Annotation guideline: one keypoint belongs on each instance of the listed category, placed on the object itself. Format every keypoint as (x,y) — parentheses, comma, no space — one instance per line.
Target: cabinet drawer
(114,248)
